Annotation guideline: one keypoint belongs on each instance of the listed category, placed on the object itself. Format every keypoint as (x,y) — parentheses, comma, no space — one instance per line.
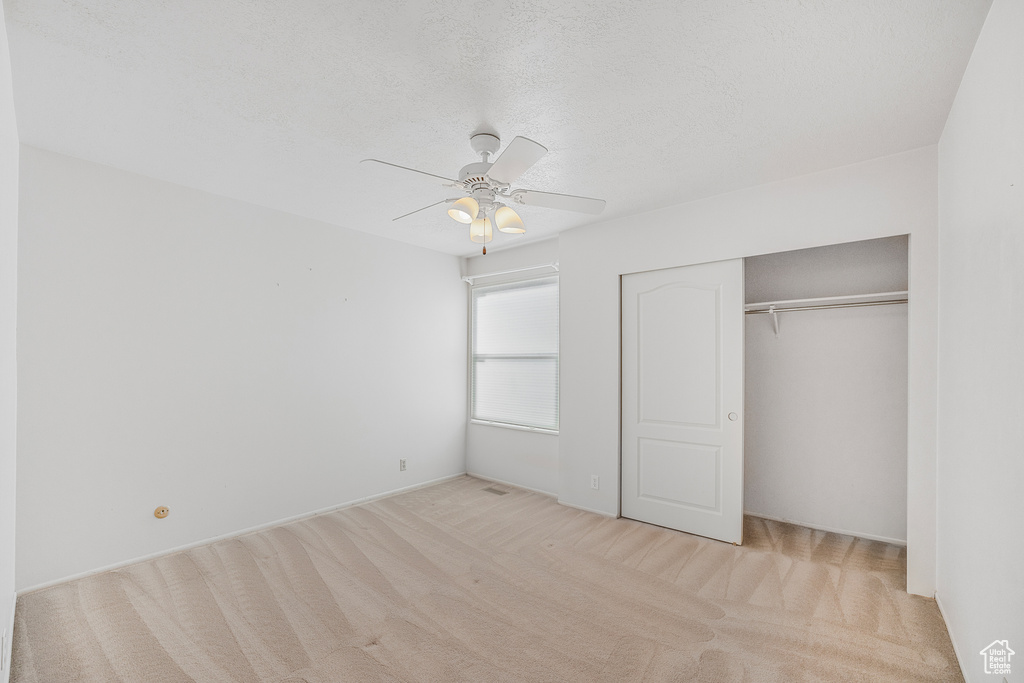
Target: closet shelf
(850,300)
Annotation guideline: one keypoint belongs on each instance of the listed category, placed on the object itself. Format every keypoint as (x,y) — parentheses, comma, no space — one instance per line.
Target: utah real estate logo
(997,657)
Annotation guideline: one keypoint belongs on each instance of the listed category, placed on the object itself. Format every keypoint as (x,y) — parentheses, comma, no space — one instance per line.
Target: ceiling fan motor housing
(474,173)
(474,179)
(474,176)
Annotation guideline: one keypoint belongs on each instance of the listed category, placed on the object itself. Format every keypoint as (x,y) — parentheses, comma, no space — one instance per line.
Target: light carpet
(470,581)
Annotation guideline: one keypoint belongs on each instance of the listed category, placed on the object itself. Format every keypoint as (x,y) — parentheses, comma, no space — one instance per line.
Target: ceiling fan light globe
(508,221)
(464,210)
(480,231)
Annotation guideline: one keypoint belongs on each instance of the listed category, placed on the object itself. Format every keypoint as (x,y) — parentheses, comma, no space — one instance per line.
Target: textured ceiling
(644,104)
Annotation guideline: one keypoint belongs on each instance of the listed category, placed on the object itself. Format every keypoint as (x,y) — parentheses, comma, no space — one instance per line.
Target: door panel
(674,352)
(682,375)
(679,473)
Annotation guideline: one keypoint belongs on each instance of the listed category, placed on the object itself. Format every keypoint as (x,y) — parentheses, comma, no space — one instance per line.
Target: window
(515,354)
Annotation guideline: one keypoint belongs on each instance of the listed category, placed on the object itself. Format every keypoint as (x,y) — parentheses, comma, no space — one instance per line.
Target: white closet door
(682,399)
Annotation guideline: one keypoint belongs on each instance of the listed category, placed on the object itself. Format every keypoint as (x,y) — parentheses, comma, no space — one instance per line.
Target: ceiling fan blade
(406,168)
(565,202)
(418,210)
(521,154)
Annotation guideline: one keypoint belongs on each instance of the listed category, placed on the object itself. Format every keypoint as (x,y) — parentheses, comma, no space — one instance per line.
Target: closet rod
(857,304)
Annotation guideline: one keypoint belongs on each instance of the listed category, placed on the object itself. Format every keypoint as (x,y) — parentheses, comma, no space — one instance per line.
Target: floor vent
(495,490)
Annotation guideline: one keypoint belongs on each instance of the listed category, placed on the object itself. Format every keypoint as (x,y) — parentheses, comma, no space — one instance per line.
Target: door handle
(733,417)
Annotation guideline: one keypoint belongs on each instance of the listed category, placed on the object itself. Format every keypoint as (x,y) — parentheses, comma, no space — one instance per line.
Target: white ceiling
(644,104)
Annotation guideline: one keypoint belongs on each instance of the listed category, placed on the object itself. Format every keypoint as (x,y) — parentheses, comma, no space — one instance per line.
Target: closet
(825,366)
(773,386)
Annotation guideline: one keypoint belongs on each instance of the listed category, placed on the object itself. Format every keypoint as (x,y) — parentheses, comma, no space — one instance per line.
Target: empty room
(526,341)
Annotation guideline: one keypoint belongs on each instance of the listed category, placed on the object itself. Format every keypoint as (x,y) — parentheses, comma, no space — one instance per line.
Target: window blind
(515,353)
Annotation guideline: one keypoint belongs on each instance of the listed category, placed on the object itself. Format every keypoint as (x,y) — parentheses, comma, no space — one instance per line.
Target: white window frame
(519,281)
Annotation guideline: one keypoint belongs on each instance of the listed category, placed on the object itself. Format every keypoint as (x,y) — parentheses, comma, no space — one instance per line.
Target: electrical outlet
(401,465)
(595,481)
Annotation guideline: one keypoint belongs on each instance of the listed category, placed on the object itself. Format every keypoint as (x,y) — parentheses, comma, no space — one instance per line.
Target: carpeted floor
(458,583)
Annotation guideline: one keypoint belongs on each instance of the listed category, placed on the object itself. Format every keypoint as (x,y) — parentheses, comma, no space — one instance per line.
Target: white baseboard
(586,509)
(819,527)
(476,475)
(956,649)
(242,532)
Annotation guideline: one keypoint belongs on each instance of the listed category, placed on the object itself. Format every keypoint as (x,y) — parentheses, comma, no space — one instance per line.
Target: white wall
(237,364)
(825,440)
(8,327)
(981,378)
(513,456)
(890,196)
(522,458)
(864,267)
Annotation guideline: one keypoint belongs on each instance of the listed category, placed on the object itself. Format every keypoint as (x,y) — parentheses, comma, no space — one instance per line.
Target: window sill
(518,428)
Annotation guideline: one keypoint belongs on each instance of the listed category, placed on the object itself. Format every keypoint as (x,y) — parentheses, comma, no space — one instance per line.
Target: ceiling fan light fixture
(464,210)
(508,221)
(480,231)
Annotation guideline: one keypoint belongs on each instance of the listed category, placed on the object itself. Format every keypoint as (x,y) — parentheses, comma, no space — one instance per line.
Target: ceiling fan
(485,184)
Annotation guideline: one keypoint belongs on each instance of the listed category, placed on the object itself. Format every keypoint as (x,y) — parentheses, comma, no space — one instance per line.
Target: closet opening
(825,356)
